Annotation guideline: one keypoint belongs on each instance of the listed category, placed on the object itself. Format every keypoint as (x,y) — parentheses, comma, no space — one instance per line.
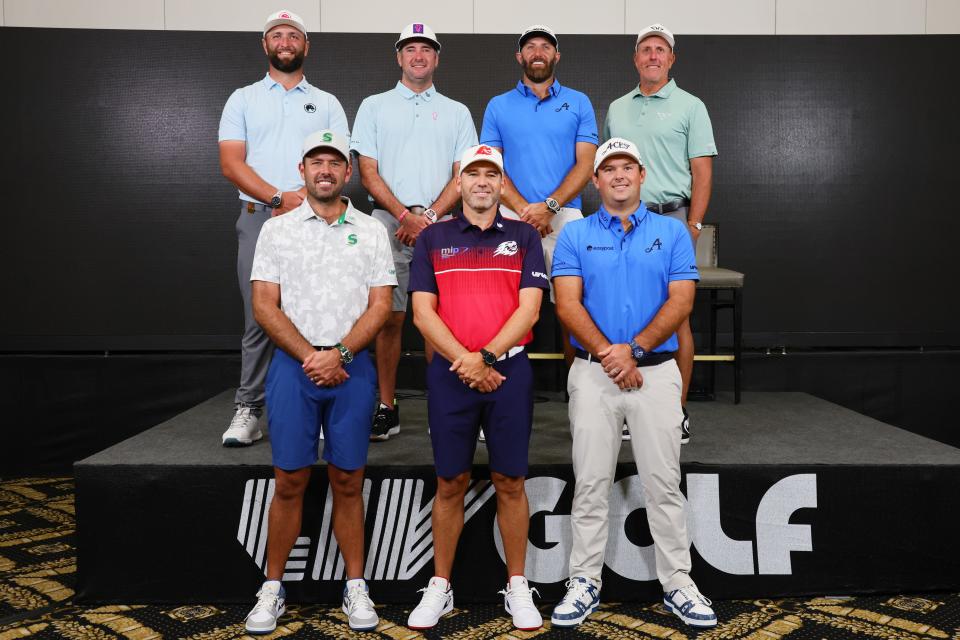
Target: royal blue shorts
(456,412)
(297,409)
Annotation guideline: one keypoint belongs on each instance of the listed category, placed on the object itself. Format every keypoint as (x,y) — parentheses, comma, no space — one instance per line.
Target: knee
(346,485)
(290,486)
(452,489)
(508,488)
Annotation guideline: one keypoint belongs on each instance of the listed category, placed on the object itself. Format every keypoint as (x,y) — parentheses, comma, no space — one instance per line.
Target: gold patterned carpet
(38,575)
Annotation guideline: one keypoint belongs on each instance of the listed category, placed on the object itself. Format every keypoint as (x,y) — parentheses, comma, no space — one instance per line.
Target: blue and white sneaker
(691,606)
(358,606)
(582,599)
(270,606)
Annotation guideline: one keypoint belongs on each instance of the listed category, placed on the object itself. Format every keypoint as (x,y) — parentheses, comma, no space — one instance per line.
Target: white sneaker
(481,437)
(358,606)
(582,599)
(270,606)
(437,601)
(518,601)
(691,606)
(625,432)
(243,430)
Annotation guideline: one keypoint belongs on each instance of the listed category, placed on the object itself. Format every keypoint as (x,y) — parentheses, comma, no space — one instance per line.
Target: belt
(253,207)
(513,351)
(323,348)
(667,207)
(648,360)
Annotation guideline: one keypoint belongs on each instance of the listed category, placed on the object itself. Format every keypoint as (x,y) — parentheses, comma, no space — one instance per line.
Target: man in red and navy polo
(477,283)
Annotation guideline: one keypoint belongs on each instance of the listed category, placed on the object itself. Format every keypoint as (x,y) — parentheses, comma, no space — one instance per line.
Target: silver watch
(552,204)
(697,225)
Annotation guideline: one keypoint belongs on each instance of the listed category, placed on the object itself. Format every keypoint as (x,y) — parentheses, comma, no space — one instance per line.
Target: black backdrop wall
(833,188)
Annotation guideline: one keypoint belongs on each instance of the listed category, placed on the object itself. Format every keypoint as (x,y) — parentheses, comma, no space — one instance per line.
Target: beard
(539,74)
(291,65)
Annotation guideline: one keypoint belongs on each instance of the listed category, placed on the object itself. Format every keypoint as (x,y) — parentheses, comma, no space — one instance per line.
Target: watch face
(275,201)
(430,215)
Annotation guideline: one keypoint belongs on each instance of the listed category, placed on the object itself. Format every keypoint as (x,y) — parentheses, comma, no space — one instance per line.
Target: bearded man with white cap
(408,143)
(673,132)
(625,279)
(261,130)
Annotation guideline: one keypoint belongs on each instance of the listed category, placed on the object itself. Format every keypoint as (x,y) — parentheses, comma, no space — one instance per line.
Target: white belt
(511,352)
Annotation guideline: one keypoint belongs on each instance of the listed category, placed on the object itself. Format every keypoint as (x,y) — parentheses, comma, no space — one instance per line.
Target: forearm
(281,330)
(574,316)
(367,326)
(668,319)
(573,184)
(381,193)
(434,331)
(701,186)
(247,180)
(517,326)
(447,199)
(510,196)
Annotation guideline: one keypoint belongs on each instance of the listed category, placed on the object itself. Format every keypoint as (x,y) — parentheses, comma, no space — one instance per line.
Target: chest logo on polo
(449,252)
(352,239)
(591,247)
(663,115)
(507,248)
(562,107)
(656,245)
(310,107)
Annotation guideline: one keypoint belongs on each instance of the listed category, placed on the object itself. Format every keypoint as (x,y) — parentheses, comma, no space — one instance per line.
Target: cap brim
(533,34)
(277,23)
(327,146)
(400,43)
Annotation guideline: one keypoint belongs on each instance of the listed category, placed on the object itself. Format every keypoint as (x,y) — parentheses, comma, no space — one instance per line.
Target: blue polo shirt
(625,277)
(539,137)
(415,139)
(274,122)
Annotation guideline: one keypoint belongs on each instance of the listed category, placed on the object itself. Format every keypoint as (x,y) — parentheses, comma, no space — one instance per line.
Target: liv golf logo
(402,542)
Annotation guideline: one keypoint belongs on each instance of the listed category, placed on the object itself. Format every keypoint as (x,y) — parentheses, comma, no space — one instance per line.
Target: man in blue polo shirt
(409,141)
(477,282)
(548,135)
(625,280)
(261,129)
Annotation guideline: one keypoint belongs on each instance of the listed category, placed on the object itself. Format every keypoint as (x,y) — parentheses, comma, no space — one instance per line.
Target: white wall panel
(2,23)
(98,14)
(390,16)
(224,15)
(854,17)
(943,16)
(563,16)
(733,17)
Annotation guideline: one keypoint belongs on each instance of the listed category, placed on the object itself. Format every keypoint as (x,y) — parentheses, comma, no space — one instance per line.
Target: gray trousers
(256,349)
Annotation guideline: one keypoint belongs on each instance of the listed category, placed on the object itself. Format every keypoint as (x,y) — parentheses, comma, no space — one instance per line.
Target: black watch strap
(488,357)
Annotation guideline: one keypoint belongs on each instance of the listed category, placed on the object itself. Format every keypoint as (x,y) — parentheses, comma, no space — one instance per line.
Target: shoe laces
(434,596)
(523,592)
(358,598)
(690,592)
(266,601)
(576,589)
(240,417)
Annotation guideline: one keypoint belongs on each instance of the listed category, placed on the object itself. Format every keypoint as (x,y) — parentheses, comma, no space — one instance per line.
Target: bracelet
(403,215)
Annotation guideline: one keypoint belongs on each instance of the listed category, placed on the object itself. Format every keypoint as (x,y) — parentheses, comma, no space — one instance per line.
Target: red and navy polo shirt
(477,275)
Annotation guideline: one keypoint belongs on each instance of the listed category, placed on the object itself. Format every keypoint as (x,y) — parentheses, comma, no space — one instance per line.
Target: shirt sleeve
(683,261)
(383,272)
(364,140)
(233,123)
(266,267)
(534,273)
(566,260)
(337,118)
(466,133)
(490,131)
(422,275)
(587,129)
(700,140)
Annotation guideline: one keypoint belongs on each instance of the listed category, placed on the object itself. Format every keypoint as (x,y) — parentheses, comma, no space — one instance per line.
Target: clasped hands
(472,371)
(410,227)
(538,215)
(618,363)
(324,368)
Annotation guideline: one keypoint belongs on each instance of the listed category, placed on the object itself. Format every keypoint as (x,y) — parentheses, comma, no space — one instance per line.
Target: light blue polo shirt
(625,277)
(274,122)
(539,137)
(415,139)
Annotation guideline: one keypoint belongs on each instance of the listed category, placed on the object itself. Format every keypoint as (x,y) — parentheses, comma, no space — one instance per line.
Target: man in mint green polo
(673,132)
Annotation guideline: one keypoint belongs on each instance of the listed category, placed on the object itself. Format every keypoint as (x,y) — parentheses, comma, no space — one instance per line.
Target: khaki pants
(565,215)
(598,410)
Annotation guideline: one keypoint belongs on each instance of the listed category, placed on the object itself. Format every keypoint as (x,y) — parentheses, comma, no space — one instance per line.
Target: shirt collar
(349,215)
(407,92)
(525,90)
(466,224)
(270,83)
(635,218)
(664,91)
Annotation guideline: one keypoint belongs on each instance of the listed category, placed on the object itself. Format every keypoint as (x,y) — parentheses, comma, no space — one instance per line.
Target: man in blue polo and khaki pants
(625,279)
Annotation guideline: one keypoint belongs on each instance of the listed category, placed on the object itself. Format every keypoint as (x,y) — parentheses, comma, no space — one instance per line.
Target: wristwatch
(636,351)
(430,215)
(552,204)
(276,199)
(346,356)
(488,358)
(697,225)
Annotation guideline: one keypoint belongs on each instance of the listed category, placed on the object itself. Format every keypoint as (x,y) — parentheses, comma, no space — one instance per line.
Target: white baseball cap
(616,147)
(481,153)
(285,17)
(325,138)
(656,30)
(537,30)
(418,31)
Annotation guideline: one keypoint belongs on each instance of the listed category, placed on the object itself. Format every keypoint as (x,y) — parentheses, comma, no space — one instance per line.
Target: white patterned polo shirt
(325,271)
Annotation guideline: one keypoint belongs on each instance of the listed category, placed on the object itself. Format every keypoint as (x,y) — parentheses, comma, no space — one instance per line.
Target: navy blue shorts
(456,412)
(297,409)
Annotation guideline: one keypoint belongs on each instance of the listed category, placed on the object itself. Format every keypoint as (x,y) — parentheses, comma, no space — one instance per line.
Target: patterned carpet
(38,575)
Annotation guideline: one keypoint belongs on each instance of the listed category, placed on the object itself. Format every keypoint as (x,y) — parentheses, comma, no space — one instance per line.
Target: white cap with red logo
(481,153)
(284,17)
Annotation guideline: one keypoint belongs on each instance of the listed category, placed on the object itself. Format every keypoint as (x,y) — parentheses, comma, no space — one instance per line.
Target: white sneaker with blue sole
(688,604)
(582,599)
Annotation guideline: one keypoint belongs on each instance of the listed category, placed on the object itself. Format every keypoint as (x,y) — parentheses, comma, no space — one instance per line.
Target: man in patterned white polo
(322,280)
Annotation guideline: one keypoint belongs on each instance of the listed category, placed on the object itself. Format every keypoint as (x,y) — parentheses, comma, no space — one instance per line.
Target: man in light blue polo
(625,279)
(408,141)
(548,136)
(261,130)
(673,132)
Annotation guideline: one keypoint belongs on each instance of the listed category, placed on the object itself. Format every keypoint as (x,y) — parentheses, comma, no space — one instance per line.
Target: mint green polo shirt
(670,127)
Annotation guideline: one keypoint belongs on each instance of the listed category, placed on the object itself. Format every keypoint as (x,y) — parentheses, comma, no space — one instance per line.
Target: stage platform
(787,495)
